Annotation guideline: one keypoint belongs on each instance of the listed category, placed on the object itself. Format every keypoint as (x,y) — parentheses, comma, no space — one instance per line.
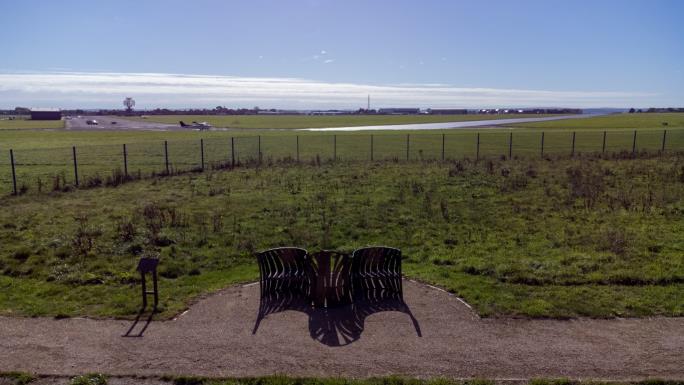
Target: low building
(399,111)
(447,111)
(46,114)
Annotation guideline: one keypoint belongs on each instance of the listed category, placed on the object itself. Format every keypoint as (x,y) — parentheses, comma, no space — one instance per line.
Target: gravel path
(437,335)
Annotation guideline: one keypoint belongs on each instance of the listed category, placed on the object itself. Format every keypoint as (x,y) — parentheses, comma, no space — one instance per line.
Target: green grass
(542,238)
(317,121)
(18,378)
(23,123)
(89,379)
(42,156)
(616,121)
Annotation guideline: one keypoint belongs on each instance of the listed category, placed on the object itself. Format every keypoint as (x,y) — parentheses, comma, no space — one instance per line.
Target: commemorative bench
(331,278)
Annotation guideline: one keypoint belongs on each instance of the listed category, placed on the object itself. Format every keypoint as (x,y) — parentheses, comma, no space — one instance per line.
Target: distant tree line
(653,109)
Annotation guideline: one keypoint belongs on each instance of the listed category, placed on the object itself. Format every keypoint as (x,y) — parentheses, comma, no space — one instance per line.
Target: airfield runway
(108,123)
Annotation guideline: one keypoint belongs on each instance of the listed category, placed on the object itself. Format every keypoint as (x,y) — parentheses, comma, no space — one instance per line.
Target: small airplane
(198,125)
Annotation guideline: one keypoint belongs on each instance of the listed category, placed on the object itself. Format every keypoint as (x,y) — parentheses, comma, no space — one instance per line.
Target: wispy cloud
(72,89)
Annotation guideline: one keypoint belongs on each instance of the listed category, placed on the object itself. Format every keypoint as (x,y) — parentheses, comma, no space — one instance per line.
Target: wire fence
(52,169)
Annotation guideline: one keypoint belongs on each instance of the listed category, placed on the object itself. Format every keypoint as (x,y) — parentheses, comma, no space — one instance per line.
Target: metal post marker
(371,146)
(603,148)
(166,156)
(125,159)
(443,140)
(14,173)
(149,265)
(75,166)
(202,153)
(572,153)
(232,152)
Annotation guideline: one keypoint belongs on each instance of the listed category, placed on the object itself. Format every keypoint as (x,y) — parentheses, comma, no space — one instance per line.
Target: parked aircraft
(198,125)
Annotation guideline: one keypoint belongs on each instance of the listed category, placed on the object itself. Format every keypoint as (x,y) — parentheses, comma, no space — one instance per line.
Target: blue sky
(332,53)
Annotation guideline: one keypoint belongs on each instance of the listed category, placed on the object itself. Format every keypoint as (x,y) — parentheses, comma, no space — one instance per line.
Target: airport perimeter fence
(59,169)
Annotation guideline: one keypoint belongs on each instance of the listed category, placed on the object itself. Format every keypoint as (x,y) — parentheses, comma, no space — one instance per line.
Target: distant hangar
(46,114)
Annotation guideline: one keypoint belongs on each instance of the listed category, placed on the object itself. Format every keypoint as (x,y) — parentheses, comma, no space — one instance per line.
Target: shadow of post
(137,320)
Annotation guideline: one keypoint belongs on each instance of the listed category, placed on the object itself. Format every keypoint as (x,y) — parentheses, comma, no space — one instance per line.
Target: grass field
(541,238)
(314,121)
(42,156)
(616,121)
(23,123)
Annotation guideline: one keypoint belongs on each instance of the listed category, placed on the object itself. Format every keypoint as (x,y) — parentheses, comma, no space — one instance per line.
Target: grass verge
(557,237)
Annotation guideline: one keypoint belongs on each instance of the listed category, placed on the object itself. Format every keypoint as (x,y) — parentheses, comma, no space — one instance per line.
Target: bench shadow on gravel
(334,326)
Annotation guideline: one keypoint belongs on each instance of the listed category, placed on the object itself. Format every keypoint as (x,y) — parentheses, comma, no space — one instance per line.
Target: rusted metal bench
(284,270)
(331,278)
(376,273)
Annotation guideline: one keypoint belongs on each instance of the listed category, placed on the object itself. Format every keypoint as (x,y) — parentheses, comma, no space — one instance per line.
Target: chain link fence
(52,169)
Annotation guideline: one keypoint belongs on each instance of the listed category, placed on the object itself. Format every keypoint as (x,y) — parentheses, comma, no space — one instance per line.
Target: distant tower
(129,103)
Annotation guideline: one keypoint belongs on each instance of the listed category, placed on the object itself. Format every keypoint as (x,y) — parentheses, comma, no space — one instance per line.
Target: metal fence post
(73,148)
(166,156)
(662,147)
(371,147)
(542,145)
(634,143)
(14,173)
(297,149)
(510,146)
(125,159)
(202,152)
(443,139)
(408,136)
(232,152)
(259,147)
(477,154)
(603,149)
(572,152)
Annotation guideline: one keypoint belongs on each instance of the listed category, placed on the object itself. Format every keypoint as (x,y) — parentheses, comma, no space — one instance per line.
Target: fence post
(232,152)
(408,136)
(662,147)
(259,148)
(335,147)
(603,150)
(542,145)
(73,149)
(572,152)
(297,148)
(166,156)
(443,139)
(202,152)
(634,143)
(510,146)
(125,156)
(371,147)
(477,154)
(14,173)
